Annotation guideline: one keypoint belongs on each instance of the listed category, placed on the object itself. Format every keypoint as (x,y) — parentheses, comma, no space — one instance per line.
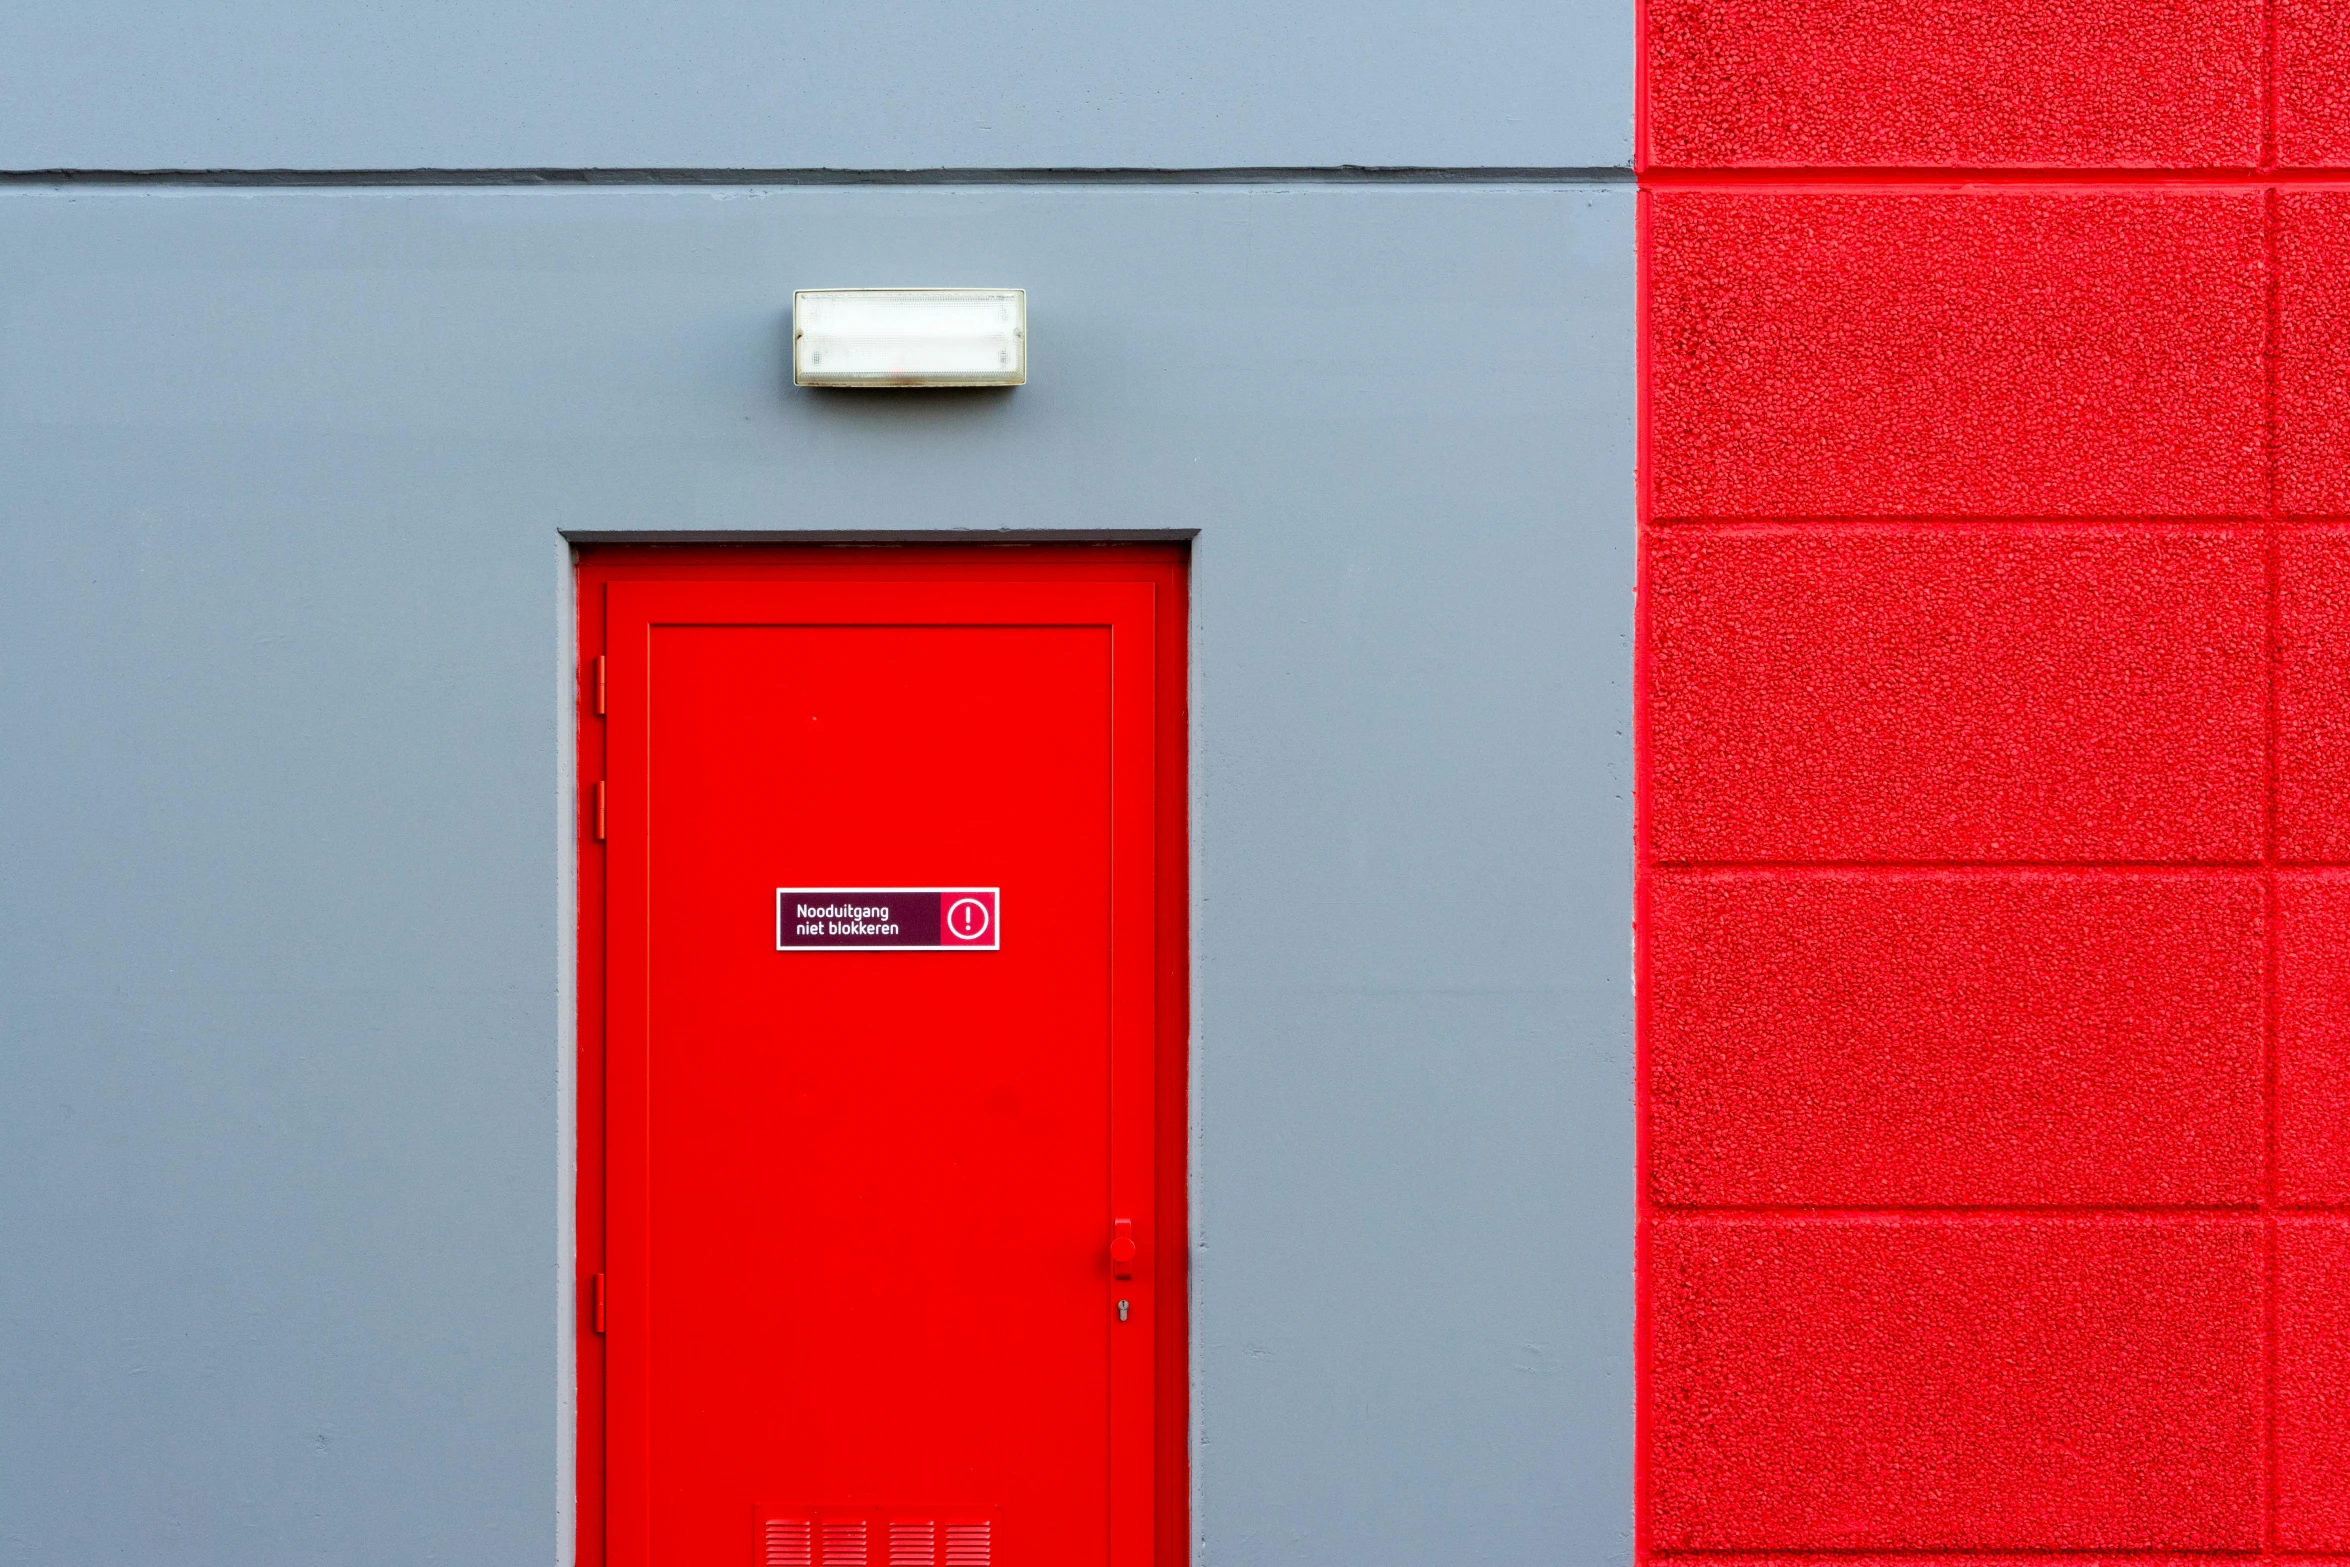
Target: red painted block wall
(1995,782)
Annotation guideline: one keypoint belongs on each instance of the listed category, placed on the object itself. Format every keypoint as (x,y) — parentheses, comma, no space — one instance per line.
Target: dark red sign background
(901,917)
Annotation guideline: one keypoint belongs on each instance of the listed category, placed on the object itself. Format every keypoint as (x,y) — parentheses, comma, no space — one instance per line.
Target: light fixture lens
(910,337)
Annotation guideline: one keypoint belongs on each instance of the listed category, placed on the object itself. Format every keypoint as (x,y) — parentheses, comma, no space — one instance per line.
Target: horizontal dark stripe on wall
(1342,174)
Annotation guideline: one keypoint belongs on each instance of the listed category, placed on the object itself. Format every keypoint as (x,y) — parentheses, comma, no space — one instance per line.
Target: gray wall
(342,84)
(284,808)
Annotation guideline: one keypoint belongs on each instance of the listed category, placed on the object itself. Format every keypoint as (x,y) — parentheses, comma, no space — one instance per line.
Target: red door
(883,1252)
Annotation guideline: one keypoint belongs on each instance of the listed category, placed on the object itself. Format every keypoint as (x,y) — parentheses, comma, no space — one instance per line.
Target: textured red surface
(2313,1384)
(1934,1559)
(2082,1384)
(2313,349)
(2313,1038)
(1857,1039)
(1955,693)
(1912,1559)
(1995,517)
(2313,694)
(2313,88)
(2024,353)
(1976,83)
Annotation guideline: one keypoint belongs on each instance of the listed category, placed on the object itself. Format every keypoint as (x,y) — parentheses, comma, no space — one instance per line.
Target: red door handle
(1122,1243)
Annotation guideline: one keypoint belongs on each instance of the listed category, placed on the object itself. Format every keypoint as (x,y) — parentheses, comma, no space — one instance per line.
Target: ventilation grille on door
(824,1537)
(913,1542)
(844,1542)
(788,1543)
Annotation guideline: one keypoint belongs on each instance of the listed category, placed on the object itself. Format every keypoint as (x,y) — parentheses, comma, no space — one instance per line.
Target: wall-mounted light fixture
(909,337)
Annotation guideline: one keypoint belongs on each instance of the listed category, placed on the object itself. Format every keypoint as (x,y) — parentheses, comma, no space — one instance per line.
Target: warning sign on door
(933,918)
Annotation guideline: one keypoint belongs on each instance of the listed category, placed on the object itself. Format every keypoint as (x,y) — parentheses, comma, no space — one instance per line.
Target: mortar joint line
(2272,763)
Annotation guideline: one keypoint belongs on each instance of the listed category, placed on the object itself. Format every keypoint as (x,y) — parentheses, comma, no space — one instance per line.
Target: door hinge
(599,685)
(599,810)
(598,1306)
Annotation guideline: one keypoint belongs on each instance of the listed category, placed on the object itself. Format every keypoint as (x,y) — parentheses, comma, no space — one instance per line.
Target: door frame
(1164,566)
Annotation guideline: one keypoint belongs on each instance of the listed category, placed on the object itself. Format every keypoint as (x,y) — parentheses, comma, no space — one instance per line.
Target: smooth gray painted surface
(284,814)
(339,84)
